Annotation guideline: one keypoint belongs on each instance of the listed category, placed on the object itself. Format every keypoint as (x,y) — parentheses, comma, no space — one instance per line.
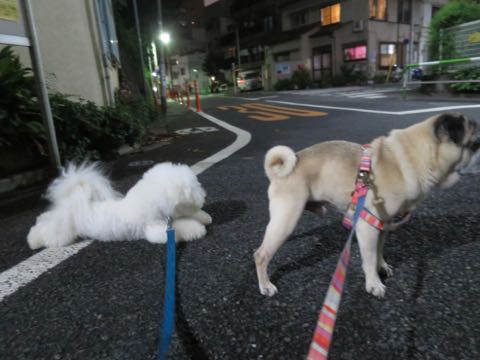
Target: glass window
(268,23)
(404,11)
(388,55)
(378,9)
(330,14)
(299,18)
(353,53)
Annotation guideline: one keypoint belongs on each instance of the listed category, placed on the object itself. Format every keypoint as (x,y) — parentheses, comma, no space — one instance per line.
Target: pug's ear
(450,127)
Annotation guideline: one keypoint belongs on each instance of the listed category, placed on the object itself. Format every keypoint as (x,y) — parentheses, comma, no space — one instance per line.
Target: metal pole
(234,78)
(163,90)
(237,38)
(42,88)
(140,47)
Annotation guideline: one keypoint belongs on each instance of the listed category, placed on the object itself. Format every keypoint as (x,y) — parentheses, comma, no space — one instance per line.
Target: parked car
(249,80)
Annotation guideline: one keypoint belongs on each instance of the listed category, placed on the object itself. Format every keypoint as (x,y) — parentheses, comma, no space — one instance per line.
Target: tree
(455,12)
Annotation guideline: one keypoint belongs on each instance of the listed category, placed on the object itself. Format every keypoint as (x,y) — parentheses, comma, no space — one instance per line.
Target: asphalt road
(105,302)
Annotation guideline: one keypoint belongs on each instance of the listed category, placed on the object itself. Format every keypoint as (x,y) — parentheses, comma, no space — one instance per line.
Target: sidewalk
(198,140)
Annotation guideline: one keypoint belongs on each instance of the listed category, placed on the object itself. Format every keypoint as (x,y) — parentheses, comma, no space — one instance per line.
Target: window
(182,71)
(322,63)
(108,33)
(378,9)
(330,14)
(404,11)
(354,53)
(298,18)
(388,55)
(268,23)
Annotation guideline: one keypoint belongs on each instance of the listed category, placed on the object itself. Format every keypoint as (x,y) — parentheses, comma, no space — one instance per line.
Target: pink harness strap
(361,188)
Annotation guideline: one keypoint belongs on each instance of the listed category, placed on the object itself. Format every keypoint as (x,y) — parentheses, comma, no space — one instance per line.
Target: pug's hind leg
(382,265)
(284,215)
(368,238)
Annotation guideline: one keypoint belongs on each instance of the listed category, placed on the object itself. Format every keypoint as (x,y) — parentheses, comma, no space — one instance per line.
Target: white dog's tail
(86,179)
(280,162)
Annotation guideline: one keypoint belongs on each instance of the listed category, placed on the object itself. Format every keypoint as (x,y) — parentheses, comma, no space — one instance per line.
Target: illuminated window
(378,9)
(354,53)
(388,55)
(330,14)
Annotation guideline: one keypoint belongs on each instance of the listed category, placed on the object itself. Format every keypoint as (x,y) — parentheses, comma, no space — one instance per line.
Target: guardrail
(406,73)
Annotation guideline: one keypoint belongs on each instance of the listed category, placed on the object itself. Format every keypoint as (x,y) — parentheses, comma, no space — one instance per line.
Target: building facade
(327,37)
(366,36)
(79,48)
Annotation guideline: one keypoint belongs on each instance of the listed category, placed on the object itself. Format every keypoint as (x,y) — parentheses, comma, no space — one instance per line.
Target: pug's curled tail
(280,162)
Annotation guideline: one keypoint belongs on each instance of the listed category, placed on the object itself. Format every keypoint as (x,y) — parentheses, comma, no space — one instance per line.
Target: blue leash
(169,302)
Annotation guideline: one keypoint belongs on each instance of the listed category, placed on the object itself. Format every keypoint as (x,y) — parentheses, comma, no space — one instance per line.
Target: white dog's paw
(268,289)
(376,288)
(156,233)
(203,217)
(35,238)
(35,242)
(386,269)
(188,229)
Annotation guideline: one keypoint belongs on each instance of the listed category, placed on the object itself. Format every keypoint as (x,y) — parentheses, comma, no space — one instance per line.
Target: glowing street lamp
(165,38)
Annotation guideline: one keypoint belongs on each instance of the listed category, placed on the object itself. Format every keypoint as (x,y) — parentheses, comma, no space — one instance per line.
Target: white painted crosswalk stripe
(354,94)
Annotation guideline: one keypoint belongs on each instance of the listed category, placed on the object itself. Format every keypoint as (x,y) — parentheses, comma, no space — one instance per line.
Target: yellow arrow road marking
(266,112)
(285,110)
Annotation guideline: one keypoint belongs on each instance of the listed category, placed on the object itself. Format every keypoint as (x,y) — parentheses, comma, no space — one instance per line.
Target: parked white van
(249,80)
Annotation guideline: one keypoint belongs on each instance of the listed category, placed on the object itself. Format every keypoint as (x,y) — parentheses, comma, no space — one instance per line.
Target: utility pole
(237,40)
(140,47)
(163,89)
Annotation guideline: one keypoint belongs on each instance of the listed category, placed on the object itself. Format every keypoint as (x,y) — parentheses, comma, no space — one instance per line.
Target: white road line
(251,99)
(374,97)
(243,138)
(362,94)
(408,112)
(30,269)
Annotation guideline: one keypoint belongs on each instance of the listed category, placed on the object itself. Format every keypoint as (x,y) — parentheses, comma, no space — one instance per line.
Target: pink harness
(361,189)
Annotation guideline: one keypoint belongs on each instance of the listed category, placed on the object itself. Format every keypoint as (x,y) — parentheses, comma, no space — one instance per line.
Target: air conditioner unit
(357,25)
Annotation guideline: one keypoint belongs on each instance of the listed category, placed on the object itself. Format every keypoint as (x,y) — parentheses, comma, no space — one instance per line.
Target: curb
(23,179)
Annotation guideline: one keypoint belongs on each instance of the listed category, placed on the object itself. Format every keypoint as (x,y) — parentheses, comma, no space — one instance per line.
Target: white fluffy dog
(84,204)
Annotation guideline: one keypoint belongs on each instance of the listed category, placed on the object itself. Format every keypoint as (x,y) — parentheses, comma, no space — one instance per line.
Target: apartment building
(370,36)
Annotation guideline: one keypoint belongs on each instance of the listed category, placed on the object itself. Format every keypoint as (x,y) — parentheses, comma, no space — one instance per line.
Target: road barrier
(197,96)
(406,73)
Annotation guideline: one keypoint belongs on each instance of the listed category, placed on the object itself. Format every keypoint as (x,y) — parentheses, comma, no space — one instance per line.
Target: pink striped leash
(322,336)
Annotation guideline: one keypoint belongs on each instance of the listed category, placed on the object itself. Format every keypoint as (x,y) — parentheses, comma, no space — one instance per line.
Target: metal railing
(409,67)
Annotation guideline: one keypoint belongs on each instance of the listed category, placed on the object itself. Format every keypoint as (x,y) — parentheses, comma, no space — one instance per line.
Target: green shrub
(284,84)
(301,79)
(380,78)
(84,130)
(20,118)
(468,73)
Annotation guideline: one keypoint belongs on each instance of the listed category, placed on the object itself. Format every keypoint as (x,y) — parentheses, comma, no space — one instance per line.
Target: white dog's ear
(450,127)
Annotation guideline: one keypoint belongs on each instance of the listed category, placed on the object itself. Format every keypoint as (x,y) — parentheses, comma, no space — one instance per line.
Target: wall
(69,42)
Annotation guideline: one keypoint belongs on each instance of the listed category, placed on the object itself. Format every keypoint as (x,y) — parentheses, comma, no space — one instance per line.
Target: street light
(165,38)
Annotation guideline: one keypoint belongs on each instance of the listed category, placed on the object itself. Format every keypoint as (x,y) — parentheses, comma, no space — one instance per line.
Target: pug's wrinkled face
(465,134)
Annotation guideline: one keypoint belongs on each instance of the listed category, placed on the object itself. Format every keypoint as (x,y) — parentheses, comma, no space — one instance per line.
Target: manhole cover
(140,163)
(196,130)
